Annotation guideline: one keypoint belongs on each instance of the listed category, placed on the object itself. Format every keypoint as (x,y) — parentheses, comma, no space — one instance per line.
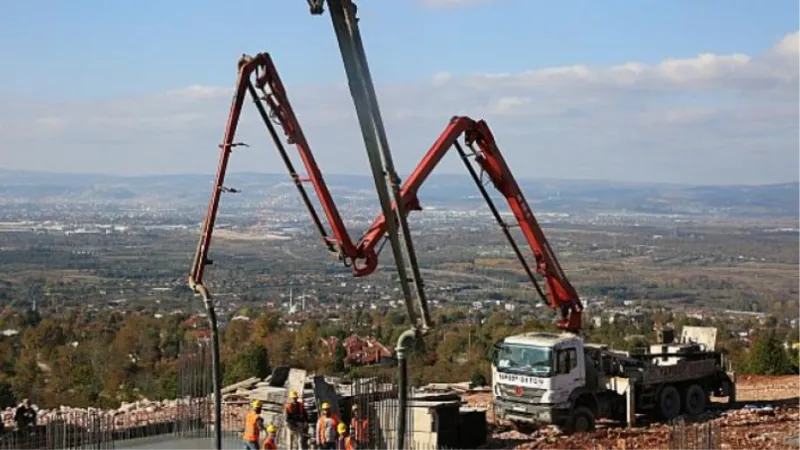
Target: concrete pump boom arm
(362,256)
(478,137)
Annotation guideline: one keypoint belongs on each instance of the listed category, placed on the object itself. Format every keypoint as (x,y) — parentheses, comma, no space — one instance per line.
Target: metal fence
(67,430)
(189,420)
(190,416)
(376,402)
(195,386)
(685,435)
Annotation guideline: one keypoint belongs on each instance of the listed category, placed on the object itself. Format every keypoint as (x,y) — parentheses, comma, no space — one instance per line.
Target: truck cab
(537,376)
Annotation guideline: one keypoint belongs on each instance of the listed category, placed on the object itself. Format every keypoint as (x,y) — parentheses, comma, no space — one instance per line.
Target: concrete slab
(295,382)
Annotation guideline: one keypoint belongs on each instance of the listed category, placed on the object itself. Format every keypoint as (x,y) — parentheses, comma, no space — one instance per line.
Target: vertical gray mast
(387,183)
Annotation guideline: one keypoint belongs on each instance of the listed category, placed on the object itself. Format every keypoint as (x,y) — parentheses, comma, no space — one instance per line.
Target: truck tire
(669,403)
(694,400)
(580,421)
(524,427)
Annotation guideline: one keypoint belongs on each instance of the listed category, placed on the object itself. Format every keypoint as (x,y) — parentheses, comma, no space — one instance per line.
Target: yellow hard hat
(325,406)
(256,404)
(271,428)
(342,428)
(292,394)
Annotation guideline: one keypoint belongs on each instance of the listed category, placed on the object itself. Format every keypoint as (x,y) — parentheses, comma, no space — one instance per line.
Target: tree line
(104,358)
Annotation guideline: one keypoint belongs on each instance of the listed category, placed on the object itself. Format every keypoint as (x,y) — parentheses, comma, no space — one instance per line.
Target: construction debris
(757,424)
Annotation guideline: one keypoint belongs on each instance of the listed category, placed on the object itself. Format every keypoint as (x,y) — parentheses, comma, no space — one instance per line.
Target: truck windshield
(524,359)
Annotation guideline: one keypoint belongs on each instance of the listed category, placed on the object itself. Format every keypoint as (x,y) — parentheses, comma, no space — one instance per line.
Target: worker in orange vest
(345,442)
(295,409)
(326,428)
(296,419)
(269,442)
(359,427)
(253,425)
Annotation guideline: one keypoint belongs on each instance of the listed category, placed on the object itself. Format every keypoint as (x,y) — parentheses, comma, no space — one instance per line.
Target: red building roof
(358,350)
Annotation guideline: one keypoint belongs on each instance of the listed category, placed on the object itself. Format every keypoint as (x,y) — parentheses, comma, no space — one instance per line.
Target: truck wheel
(694,400)
(580,421)
(524,427)
(669,403)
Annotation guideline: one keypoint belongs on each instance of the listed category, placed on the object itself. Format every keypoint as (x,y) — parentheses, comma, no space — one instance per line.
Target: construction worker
(360,428)
(253,426)
(296,419)
(295,410)
(345,442)
(269,442)
(25,415)
(326,428)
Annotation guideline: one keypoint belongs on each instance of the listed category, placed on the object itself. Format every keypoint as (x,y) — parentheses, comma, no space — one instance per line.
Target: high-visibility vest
(251,427)
(359,429)
(296,409)
(344,443)
(269,444)
(323,425)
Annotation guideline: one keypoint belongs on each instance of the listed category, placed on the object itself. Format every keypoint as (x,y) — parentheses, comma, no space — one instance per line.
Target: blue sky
(90,79)
(149,46)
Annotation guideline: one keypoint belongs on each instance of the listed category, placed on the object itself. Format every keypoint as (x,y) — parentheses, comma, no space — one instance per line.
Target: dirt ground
(766,416)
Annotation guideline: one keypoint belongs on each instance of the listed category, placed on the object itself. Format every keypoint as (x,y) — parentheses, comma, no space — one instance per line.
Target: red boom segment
(560,292)
(280,106)
(269,83)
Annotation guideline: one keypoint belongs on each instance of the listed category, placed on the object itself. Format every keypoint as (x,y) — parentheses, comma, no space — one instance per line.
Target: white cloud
(705,119)
(440,78)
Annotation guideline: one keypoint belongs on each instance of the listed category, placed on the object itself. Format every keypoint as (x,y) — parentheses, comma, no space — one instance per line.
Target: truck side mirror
(494,351)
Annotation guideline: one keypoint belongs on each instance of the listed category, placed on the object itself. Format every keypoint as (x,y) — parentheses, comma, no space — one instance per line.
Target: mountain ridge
(445,190)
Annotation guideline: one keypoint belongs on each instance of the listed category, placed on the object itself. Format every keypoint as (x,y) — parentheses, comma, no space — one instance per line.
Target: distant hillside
(442,190)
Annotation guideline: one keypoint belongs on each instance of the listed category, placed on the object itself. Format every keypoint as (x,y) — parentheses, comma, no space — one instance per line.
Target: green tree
(168,383)
(30,318)
(266,325)
(6,393)
(767,356)
(28,379)
(477,379)
(339,355)
(252,362)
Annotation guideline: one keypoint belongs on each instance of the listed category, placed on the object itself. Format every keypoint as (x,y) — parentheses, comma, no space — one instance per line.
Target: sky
(678,91)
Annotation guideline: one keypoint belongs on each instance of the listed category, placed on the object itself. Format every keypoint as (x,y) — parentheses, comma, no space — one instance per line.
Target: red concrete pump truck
(536,377)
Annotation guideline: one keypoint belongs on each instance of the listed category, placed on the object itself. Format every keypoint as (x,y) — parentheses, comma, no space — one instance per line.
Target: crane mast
(387,183)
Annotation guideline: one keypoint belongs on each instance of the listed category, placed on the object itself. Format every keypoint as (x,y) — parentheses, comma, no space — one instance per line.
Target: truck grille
(529,395)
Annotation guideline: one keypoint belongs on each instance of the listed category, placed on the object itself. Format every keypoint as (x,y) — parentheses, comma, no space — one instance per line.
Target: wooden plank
(242,384)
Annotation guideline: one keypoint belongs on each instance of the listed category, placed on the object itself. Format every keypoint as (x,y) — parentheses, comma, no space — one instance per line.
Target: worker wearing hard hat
(359,426)
(296,417)
(344,442)
(253,426)
(295,410)
(326,428)
(269,442)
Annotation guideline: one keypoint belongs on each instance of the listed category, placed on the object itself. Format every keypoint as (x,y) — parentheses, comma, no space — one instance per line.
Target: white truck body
(558,378)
